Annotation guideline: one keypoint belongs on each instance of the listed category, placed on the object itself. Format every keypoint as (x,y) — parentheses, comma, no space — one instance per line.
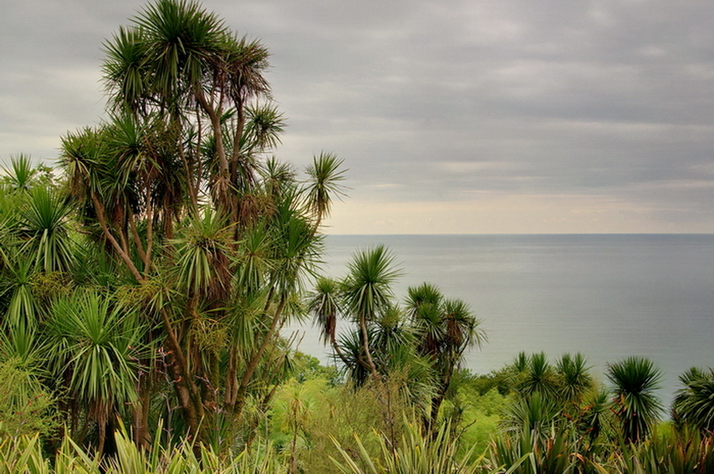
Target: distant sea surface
(608,296)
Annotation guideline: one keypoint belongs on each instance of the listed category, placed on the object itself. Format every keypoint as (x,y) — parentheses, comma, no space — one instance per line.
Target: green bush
(26,407)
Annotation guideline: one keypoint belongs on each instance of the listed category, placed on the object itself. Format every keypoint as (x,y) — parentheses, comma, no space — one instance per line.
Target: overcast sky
(476,116)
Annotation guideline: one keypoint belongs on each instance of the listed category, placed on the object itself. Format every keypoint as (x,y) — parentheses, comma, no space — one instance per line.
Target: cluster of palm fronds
(425,339)
(560,421)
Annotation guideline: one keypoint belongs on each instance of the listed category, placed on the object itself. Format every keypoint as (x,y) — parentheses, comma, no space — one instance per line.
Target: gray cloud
(437,101)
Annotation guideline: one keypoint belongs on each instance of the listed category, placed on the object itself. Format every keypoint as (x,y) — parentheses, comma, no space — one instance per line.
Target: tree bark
(122,254)
(365,346)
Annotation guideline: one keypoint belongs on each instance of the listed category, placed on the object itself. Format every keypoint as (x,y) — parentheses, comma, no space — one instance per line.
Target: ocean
(608,296)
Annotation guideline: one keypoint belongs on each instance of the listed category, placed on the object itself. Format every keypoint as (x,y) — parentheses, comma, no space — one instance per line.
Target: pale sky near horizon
(453,116)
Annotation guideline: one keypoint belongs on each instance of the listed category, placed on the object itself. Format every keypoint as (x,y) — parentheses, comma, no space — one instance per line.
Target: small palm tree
(694,403)
(324,303)
(635,404)
(95,344)
(445,329)
(574,378)
(367,292)
(324,184)
(538,377)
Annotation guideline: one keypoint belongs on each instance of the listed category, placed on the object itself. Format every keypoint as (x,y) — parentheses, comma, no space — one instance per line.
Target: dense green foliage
(145,281)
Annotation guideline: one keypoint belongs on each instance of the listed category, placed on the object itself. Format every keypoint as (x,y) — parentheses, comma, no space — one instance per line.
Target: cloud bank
(452,117)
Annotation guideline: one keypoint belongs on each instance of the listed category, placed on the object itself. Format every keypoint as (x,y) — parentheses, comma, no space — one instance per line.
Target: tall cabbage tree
(445,329)
(368,293)
(211,238)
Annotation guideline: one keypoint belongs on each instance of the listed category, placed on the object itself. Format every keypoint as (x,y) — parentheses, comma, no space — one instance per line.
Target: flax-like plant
(415,454)
(668,451)
(535,414)
(23,454)
(555,451)
(20,176)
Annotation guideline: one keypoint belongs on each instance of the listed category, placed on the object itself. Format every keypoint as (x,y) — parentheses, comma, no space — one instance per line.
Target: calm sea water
(606,296)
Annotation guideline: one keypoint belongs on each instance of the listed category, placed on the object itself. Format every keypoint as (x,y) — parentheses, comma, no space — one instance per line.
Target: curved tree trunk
(365,346)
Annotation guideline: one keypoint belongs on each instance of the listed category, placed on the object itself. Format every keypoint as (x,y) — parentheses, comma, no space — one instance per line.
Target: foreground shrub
(414,454)
(669,451)
(25,405)
(24,455)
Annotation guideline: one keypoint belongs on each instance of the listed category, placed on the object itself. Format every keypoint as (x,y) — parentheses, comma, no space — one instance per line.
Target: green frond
(20,176)
(97,342)
(637,407)
(325,183)
(203,264)
(367,287)
(45,227)
(694,403)
(125,70)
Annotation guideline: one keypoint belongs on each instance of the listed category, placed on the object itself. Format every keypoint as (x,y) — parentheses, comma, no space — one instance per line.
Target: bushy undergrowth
(25,406)
(318,425)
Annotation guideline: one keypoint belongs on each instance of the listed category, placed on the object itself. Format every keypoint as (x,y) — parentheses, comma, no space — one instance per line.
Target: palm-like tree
(45,228)
(574,378)
(635,404)
(324,303)
(391,333)
(324,185)
(356,366)
(95,344)
(295,253)
(534,374)
(367,292)
(214,243)
(694,403)
(445,329)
